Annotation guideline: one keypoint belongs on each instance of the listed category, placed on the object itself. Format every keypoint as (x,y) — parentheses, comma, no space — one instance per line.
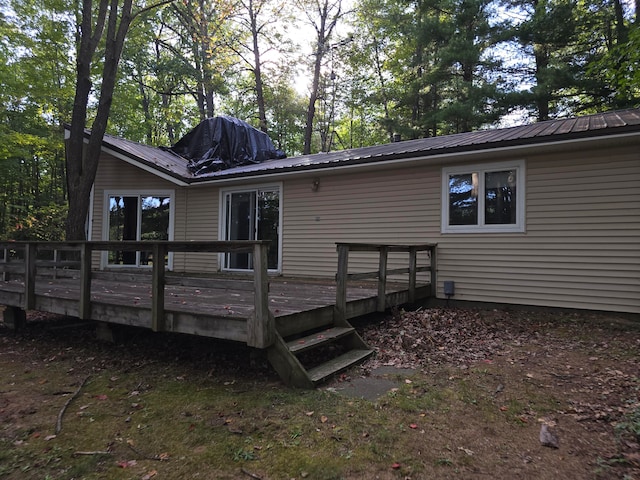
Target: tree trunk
(324,31)
(257,65)
(82,162)
(313,97)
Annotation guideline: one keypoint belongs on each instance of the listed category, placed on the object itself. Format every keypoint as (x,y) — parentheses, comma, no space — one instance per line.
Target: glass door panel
(137,218)
(252,215)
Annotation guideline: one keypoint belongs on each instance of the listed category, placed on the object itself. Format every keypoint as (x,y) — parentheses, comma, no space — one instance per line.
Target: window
(251,214)
(139,217)
(487,198)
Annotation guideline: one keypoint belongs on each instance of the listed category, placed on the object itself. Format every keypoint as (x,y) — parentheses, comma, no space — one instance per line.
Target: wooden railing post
(434,265)
(5,261)
(340,309)
(30,276)
(84,308)
(382,278)
(261,325)
(413,264)
(157,287)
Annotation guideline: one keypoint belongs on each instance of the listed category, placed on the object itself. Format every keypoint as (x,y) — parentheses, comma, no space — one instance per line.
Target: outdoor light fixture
(315,185)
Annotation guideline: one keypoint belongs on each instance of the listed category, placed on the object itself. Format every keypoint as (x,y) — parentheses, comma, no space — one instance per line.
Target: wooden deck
(257,310)
(196,308)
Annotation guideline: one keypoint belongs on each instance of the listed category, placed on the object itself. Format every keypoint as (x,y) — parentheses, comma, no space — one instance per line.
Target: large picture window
(137,217)
(252,214)
(483,198)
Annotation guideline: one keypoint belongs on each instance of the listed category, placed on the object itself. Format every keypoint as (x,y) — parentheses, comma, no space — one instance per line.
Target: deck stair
(307,359)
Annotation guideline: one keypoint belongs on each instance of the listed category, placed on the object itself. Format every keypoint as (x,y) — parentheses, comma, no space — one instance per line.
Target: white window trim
(518,227)
(222,223)
(104,256)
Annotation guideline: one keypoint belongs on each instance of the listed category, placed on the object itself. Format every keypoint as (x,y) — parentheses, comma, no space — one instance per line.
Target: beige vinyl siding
(401,206)
(201,223)
(581,247)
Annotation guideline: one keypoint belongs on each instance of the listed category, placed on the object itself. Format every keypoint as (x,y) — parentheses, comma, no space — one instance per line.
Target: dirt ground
(527,394)
(582,370)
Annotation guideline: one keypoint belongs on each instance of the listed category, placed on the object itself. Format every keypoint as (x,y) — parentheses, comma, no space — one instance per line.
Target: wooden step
(319,338)
(337,364)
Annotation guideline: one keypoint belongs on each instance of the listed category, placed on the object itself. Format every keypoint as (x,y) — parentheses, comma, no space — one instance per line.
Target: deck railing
(383,273)
(25,259)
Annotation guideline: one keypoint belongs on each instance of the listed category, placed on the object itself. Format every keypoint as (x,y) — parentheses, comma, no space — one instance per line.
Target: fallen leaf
(395,466)
(413,425)
(323,419)
(150,475)
(467,451)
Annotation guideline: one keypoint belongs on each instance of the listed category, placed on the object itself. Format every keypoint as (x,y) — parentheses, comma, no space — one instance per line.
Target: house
(546,214)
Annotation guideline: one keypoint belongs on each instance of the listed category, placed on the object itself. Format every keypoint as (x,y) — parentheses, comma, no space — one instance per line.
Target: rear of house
(545,214)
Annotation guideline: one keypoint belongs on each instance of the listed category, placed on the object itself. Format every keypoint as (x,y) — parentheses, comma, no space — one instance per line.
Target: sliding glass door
(252,214)
(137,217)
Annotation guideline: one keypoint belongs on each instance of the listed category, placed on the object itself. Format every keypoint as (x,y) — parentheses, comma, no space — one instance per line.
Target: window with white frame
(251,213)
(139,217)
(483,198)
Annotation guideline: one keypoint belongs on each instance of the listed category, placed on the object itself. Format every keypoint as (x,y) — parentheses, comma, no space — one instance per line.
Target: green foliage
(41,224)
(417,68)
(629,425)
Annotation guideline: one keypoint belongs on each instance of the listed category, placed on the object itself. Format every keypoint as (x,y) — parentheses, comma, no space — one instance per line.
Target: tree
(81,161)
(200,42)
(323,16)
(258,19)
(35,97)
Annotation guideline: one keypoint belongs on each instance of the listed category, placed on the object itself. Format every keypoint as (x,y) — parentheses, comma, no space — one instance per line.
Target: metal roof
(590,126)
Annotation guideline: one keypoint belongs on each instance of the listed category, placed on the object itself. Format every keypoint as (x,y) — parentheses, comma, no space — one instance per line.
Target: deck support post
(340,309)
(30,252)
(105,332)
(84,309)
(382,279)
(260,325)
(15,318)
(157,287)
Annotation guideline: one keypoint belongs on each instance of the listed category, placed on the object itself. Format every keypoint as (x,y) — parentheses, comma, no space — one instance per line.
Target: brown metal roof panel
(566,126)
(582,124)
(621,118)
(615,120)
(151,155)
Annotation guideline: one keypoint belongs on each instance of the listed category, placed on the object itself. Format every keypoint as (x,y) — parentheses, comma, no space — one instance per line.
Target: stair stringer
(287,365)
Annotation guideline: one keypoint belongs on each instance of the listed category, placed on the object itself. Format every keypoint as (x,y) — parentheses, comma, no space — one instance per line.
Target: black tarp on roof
(223,142)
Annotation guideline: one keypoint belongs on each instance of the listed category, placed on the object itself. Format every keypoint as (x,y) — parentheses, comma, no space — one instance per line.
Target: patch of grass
(629,424)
